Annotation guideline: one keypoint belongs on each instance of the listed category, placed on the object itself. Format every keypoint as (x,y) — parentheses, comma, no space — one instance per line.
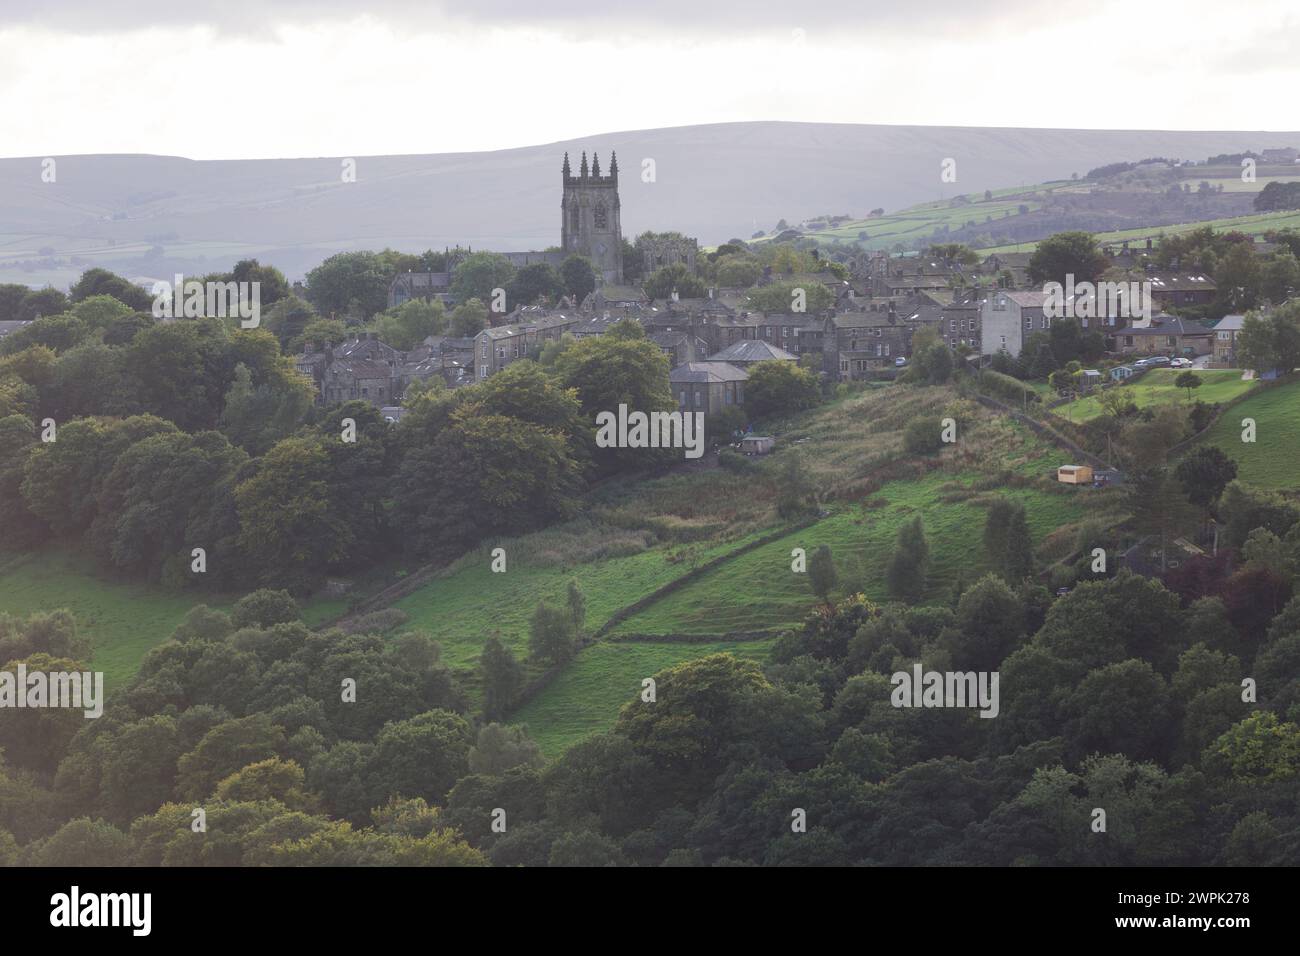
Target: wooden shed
(1074,474)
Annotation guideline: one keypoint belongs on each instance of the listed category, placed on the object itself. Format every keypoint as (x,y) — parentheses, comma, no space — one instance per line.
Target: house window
(1029,323)
(681,398)
(952,325)
(699,398)
(482,371)
(844,365)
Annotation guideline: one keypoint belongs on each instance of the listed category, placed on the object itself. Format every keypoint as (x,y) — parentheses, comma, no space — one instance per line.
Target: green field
(1157,388)
(1255,224)
(461,608)
(124,619)
(1271,461)
(586,698)
(758,590)
(920,222)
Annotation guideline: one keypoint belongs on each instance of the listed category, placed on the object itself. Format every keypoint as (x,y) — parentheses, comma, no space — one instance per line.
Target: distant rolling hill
(144,215)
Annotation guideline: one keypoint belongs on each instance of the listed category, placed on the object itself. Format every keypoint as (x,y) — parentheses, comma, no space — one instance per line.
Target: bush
(1005,387)
(923,436)
(264,608)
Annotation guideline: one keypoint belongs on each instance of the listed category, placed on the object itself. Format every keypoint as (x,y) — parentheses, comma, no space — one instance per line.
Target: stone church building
(590,217)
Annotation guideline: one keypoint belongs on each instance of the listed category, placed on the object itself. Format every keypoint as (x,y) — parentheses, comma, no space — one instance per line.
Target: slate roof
(753,350)
(708,372)
(1169,325)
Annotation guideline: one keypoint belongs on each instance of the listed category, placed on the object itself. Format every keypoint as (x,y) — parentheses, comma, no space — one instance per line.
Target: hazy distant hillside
(147,215)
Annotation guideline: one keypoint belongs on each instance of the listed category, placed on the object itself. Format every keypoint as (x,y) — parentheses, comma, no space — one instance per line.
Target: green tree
(1204,474)
(1271,342)
(502,677)
(1189,381)
(779,297)
(990,622)
(1067,253)
(351,284)
(288,319)
(479,274)
(422,756)
(780,387)
(551,637)
(536,282)
(468,319)
(291,527)
(662,283)
(577,604)
(909,566)
(822,575)
(410,323)
(500,748)
(265,608)
(578,276)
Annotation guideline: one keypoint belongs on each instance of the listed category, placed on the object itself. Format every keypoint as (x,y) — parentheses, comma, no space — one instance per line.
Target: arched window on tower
(602,217)
(573,218)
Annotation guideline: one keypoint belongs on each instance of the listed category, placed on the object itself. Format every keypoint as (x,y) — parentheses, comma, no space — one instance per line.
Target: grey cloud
(687,18)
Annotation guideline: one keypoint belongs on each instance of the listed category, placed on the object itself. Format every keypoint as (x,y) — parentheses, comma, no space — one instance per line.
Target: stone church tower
(590,217)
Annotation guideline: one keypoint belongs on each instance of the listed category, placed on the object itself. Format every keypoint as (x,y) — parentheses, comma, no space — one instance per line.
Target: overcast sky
(216,79)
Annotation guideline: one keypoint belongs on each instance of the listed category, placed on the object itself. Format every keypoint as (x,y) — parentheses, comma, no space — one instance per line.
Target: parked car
(1158,360)
(900,362)
(1181,363)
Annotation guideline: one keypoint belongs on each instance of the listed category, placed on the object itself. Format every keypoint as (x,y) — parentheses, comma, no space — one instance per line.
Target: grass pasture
(1157,388)
(759,591)
(1273,460)
(585,699)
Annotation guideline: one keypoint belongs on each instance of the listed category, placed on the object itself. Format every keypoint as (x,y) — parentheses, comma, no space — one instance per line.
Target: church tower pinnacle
(590,217)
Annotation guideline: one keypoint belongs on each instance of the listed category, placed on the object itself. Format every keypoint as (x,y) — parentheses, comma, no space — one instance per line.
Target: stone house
(497,347)
(1166,335)
(1183,289)
(707,387)
(796,333)
(680,347)
(858,343)
(1008,318)
(750,352)
(1226,331)
(419,285)
(1007,270)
